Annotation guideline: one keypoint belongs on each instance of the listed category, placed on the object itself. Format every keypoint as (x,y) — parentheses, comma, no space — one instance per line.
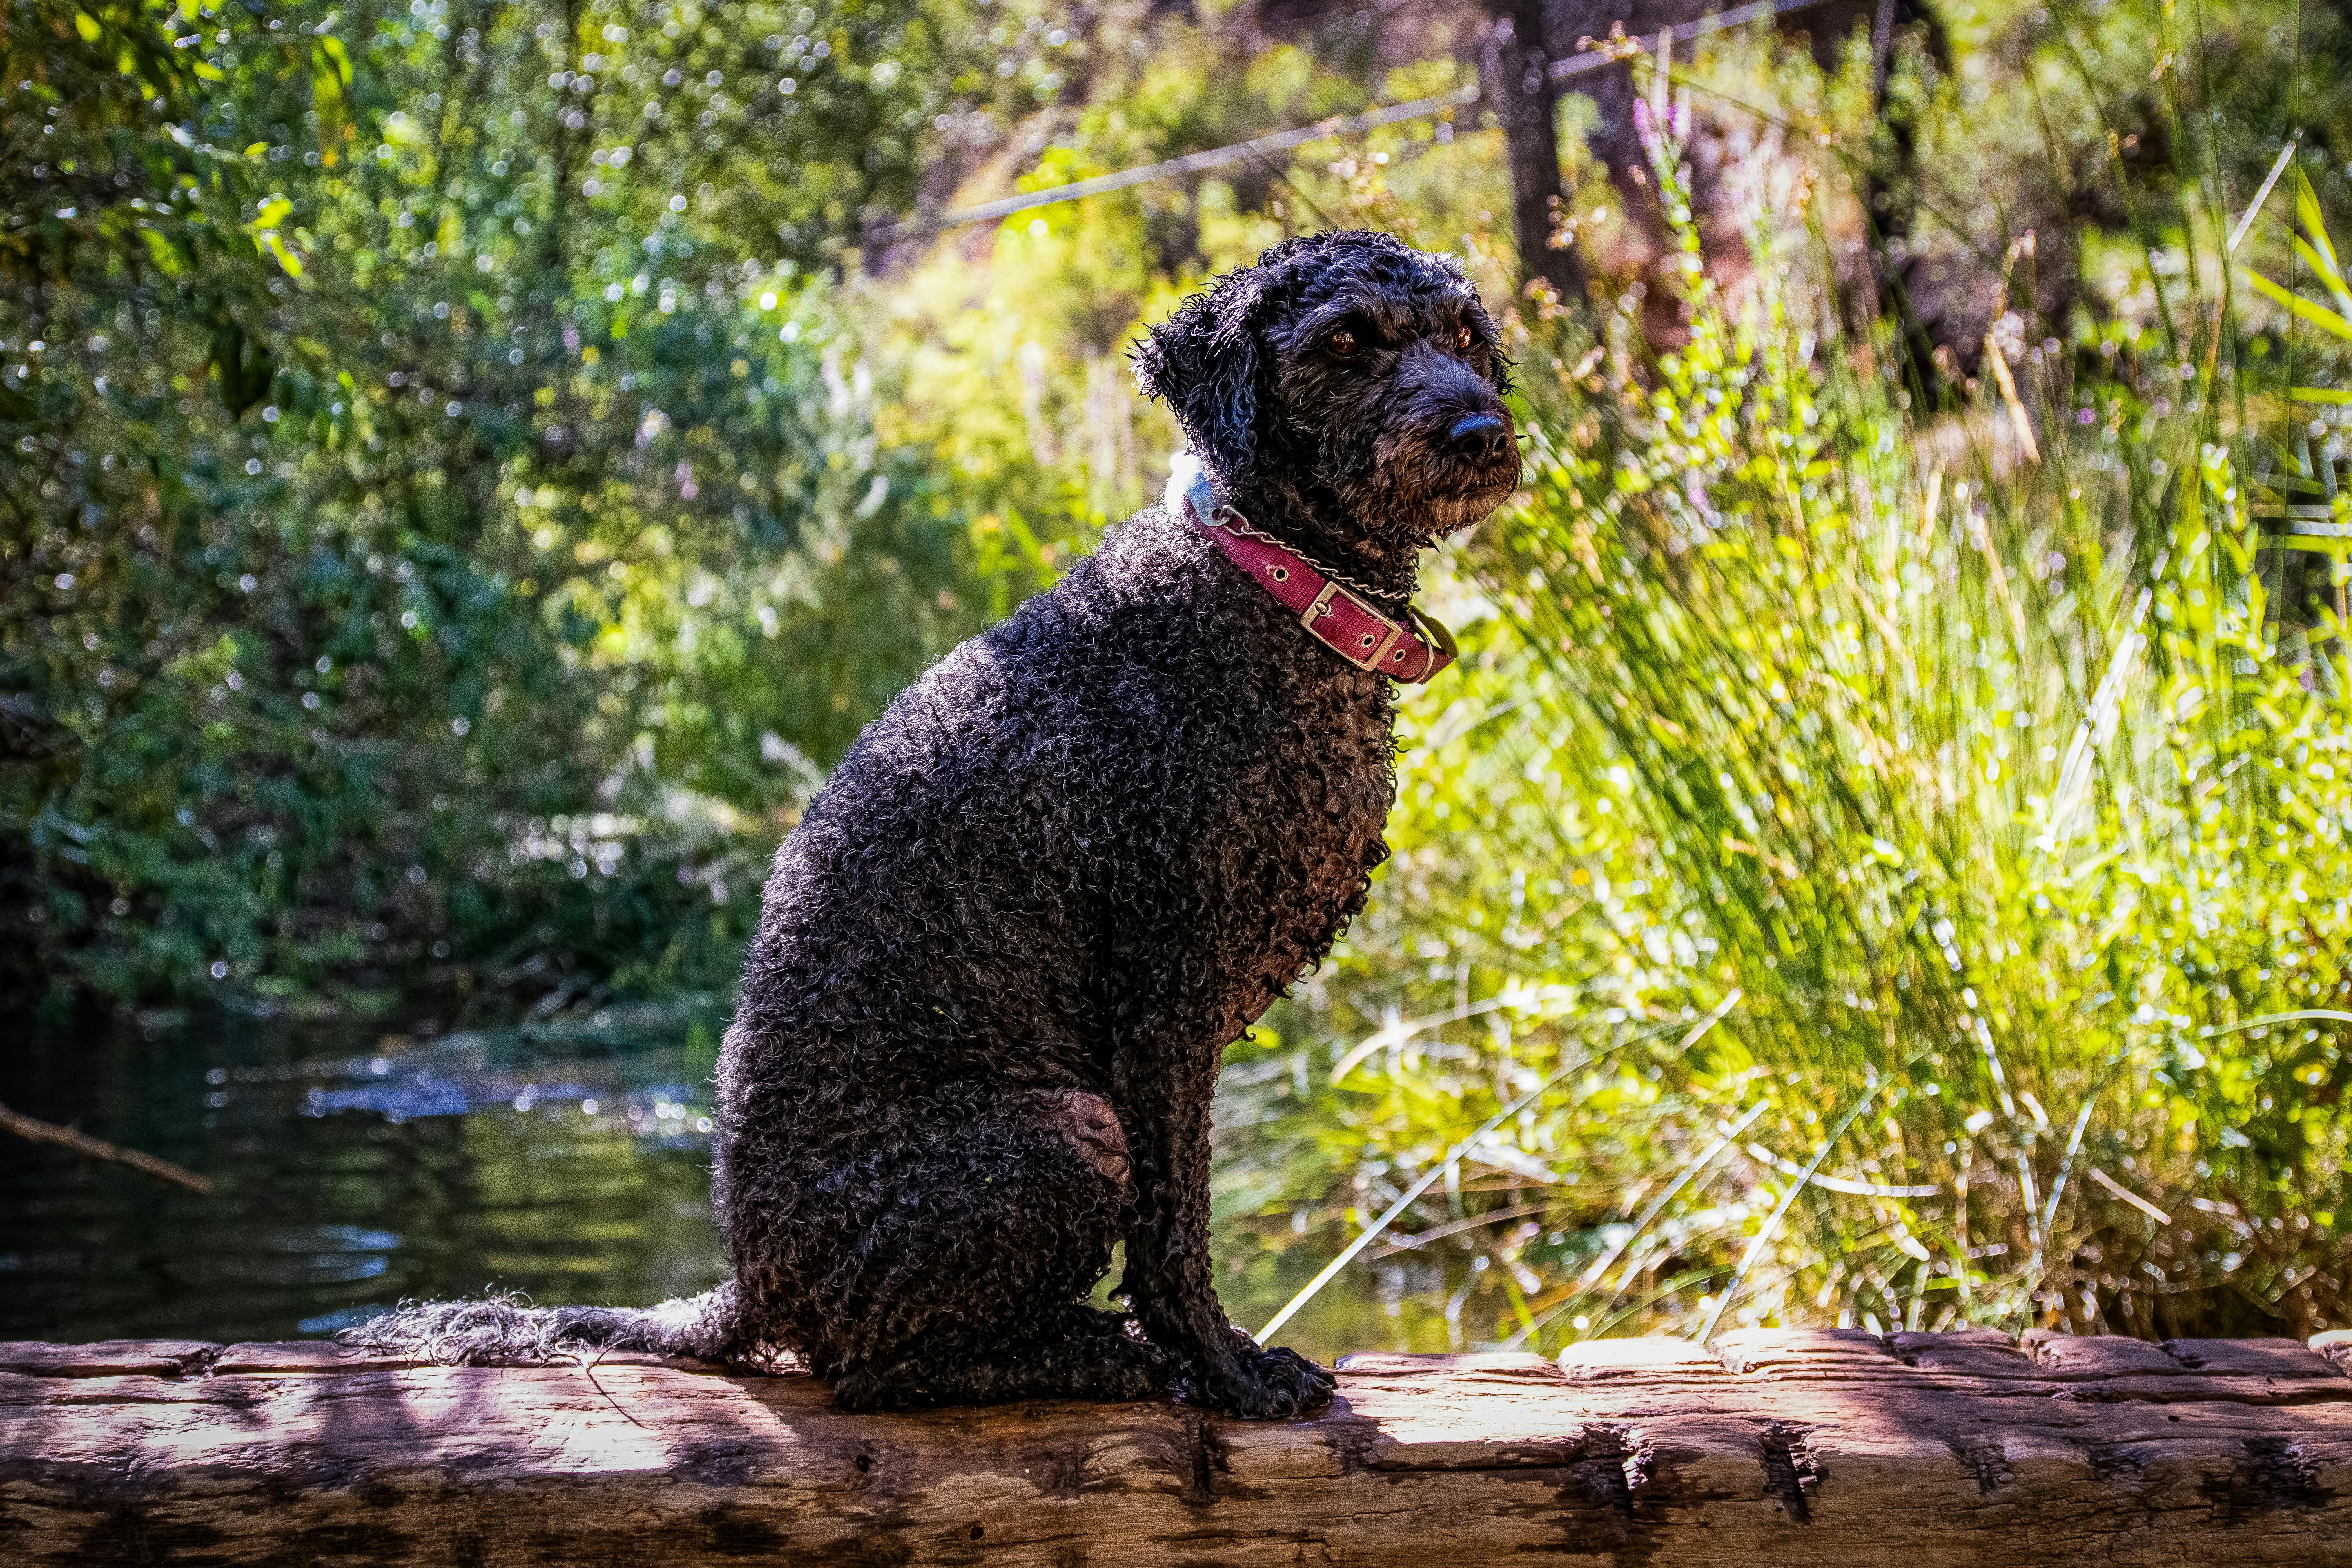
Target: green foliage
(469,474)
(104,170)
(444,542)
(1918,849)
(464,512)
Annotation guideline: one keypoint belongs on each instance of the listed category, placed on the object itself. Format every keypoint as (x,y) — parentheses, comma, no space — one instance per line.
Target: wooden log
(1840,1448)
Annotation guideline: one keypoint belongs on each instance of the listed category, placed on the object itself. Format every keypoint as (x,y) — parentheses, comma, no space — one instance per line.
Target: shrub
(1902,859)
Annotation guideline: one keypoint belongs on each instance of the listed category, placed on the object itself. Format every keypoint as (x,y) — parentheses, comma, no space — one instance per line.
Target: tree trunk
(1833,1450)
(1514,82)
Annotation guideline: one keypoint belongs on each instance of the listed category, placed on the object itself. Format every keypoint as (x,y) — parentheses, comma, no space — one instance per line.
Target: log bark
(1773,1447)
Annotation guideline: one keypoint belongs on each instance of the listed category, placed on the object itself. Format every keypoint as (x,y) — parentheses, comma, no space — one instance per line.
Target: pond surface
(353,1169)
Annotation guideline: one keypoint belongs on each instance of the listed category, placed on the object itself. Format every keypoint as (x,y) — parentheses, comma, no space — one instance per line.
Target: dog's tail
(507,1331)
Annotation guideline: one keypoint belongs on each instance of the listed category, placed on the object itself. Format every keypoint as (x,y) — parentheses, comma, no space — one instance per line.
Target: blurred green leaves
(446,535)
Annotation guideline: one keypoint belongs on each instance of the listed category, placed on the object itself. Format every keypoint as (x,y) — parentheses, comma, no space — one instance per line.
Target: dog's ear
(1203,362)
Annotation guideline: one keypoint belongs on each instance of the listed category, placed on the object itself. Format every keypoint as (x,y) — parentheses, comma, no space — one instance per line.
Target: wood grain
(1918,1450)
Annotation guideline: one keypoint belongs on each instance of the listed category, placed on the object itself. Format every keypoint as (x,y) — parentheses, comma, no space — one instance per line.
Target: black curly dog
(1000,957)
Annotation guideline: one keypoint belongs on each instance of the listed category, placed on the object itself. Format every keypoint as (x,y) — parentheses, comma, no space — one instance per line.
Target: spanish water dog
(1001,955)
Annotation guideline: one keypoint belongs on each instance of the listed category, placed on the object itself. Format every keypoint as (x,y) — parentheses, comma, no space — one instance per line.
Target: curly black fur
(1001,955)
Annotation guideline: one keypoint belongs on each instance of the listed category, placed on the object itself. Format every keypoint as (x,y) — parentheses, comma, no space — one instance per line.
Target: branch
(99,1149)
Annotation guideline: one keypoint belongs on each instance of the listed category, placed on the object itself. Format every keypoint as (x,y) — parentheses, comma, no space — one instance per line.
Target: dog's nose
(1481,437)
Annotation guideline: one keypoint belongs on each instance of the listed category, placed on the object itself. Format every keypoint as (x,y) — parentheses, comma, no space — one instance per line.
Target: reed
(1986,771)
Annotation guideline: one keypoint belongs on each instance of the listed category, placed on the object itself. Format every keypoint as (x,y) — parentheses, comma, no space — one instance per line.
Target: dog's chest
(1304,815)
(1330,781)
(1246,770)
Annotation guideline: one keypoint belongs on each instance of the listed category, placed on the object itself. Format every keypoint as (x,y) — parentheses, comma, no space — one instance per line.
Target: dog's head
(1353,362)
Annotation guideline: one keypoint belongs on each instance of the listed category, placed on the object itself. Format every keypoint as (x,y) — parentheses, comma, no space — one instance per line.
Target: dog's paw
(1278,1384)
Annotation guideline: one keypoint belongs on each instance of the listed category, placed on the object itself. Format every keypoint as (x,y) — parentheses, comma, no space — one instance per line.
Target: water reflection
(568,1159)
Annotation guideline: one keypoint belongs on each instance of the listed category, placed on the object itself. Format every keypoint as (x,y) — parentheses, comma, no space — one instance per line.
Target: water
(353,1169)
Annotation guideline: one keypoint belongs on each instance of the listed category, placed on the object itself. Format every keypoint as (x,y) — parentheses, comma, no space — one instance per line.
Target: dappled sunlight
(1880,861)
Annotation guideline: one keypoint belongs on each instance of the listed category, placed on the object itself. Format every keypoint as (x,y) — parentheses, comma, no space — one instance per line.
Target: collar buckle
(1321,606)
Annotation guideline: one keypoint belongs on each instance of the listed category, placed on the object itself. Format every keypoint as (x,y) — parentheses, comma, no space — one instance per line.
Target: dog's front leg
(1164,1101)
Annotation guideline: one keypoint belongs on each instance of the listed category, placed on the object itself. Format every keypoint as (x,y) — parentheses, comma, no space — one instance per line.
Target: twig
(99,1149)
(589,1366)
(1455,1227)
(2254,208)
(2129,1196)
(1771,1226)
(1372,1231)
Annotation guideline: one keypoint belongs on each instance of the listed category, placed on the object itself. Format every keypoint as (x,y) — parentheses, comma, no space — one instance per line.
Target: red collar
(1334,616)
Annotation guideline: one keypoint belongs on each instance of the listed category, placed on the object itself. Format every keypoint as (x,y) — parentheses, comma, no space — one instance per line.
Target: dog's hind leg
(963,1257)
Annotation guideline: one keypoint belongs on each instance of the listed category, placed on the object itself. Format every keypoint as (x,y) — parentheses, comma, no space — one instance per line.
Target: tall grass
(1918,841)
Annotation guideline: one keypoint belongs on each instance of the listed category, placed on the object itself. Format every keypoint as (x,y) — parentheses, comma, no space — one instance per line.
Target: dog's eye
(1343,342)
(1463,337)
